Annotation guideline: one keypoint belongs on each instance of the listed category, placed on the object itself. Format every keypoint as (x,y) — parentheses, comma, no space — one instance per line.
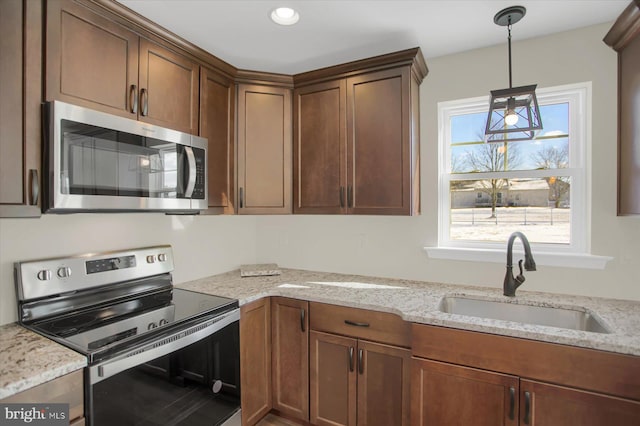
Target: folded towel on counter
(259,270)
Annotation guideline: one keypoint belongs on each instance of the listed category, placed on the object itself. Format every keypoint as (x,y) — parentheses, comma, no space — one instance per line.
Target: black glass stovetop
(110,328)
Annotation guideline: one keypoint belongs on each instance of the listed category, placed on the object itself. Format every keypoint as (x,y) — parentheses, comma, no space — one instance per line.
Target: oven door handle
(163,346)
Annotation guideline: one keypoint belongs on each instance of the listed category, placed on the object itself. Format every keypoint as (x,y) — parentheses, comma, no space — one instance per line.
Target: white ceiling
(331,32)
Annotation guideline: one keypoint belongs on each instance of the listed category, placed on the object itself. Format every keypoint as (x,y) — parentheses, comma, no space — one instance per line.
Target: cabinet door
(446,394)
(168,88)
(333,379)
(379,142)
(384,377)
(255,361)
(20,78)
(264,150)
(217,107)
(90,60)
(290,353)
(319,151)
(550,405)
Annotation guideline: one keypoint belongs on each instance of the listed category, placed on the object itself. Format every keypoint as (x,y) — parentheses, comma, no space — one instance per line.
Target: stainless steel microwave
(100,162)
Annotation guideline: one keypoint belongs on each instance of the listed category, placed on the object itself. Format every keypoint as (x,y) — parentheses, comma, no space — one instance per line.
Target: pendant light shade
(514,114)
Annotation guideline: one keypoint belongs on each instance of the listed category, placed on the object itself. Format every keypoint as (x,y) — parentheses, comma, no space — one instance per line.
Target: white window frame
(577,252)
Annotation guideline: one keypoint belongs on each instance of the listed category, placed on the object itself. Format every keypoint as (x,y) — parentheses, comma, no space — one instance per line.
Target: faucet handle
(520,278)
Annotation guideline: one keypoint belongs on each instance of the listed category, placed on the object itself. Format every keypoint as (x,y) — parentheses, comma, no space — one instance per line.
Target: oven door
(103,162)
(188,377)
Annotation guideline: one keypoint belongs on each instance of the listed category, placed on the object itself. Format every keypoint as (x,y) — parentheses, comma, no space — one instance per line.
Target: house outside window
(539,187)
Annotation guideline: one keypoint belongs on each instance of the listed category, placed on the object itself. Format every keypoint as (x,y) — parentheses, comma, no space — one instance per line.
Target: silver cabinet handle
(302,316)
(133,98)
(360,361)
(512,402)
(241,198)
(350,358)
(144,100)
(350,196)
(35,186)
(527,407)
(191,160)
(342,197)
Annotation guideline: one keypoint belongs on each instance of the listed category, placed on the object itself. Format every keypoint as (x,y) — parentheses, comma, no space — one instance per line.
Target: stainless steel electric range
(157,355)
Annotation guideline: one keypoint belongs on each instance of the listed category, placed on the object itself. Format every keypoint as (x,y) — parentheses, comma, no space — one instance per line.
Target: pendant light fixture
(514,114)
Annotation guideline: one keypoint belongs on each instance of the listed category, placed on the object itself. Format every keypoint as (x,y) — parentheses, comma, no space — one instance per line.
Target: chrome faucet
(511,283)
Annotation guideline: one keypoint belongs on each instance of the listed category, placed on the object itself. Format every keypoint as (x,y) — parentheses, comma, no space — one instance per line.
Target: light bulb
(511,118)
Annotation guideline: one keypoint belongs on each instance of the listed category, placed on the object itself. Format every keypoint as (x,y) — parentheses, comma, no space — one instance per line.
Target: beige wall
(202,245)
(392,247)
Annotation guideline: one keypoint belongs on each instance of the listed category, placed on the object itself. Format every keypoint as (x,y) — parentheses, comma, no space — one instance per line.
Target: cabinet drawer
(361,323)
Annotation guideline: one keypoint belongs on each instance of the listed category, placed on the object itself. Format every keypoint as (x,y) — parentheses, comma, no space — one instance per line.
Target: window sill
(582,261)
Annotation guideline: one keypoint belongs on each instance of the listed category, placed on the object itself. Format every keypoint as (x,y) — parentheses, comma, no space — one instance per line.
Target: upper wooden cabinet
(20,109)
(624,38)
(356,138)
(95,62)
(264,149)
(217,111)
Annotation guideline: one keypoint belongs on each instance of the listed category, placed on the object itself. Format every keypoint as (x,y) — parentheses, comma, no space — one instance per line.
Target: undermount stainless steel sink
(573,319)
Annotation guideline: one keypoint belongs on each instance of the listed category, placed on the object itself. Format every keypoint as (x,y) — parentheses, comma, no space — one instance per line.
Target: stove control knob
(64,272)
(44,275)
(162,257)
(151,325)
(151,259)
(162,322)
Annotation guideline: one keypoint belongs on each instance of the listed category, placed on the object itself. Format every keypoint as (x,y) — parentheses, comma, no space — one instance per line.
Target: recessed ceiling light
(284,16)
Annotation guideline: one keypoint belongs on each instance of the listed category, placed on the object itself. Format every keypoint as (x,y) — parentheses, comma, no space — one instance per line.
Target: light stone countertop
(28,359)
(418,301)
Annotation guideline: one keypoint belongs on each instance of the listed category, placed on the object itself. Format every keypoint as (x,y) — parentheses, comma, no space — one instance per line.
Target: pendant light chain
(509,29)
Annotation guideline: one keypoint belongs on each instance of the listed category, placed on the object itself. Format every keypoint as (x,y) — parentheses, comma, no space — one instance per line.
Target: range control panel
(47,277)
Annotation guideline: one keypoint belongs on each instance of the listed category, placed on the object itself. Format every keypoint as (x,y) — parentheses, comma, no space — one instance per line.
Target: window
(539,187)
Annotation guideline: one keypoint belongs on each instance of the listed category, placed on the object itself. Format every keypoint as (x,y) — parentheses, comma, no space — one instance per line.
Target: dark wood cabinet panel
(379,142)
(290,356)
(333,379)
(90,60)
(217,110)
(20,109)
(255,360)
(384,384)
(445,394)
(264,150)
(550,405)
(319,153)
(356,148)
(624,37)
(169,85)
(95,62)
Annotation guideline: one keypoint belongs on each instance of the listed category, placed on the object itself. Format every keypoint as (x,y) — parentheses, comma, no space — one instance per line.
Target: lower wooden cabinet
(290,357)
(505,382)
(255,360)
(545,404)
(356,382)
(67,389)
(445,394)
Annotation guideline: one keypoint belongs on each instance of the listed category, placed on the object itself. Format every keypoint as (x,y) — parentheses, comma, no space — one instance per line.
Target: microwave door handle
(191,161)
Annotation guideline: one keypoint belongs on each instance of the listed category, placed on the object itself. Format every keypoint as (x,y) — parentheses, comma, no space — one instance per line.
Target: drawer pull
(356,324)
(527,407)
(302,315)
(350,358)
(360,361)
